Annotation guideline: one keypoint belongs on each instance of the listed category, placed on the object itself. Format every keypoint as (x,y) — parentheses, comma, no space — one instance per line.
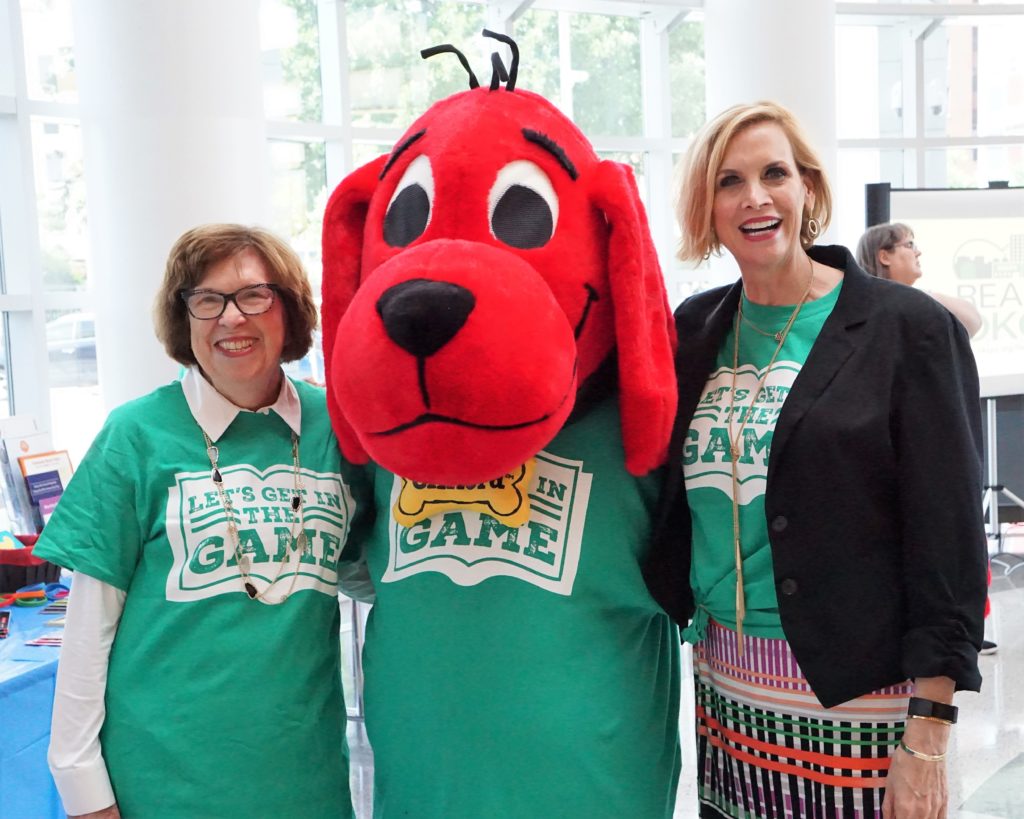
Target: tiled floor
(986,769)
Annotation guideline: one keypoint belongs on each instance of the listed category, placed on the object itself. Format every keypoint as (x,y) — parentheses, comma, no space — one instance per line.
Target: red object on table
(19,567)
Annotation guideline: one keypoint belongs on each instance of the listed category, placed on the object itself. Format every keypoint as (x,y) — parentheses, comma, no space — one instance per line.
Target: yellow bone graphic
(504,498)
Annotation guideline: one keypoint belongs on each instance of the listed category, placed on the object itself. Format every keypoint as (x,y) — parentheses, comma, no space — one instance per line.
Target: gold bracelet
(932,719)
(919,755)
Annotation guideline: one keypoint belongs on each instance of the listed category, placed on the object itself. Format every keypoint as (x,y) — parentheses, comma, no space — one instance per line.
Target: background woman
(890,252)
(206,525)
(821,523)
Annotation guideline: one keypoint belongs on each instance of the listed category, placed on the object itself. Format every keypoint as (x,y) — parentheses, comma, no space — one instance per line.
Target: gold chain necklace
(300,543)
(734,440)
(777,335)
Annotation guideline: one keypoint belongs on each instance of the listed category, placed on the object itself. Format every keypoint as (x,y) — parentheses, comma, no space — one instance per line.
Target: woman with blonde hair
(825,555)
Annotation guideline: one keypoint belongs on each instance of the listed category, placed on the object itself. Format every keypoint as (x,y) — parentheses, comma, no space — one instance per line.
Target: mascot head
(476,277)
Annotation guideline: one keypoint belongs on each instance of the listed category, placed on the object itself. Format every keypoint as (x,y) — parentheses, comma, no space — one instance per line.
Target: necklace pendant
(301,542)
(216,476)
(250,590)
(244,563)
(296,502)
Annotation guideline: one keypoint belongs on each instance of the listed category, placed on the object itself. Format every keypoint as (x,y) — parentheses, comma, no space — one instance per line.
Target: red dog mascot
(497,334)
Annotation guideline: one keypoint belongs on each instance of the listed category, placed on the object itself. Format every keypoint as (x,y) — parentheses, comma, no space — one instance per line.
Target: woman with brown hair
(890,251)
(207,528)
(820,534)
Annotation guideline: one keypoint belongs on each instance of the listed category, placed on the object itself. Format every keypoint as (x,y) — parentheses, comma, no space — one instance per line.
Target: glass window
(859,94)
(298,199)
(973,77)
(974,167)
(363,152)
(389,83)
(971,84)
(291,60)
(5,368)
(71,349)
(7,67)
(59,331)
(686,75)
(536,33)
(49,50)
(607,93)
(1000,83)
(76,407)
(60,194)
(588,65)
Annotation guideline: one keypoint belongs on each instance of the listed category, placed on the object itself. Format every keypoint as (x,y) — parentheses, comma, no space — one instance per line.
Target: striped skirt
(767,749)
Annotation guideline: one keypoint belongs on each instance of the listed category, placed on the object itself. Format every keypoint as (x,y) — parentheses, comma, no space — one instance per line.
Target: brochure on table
(23,446)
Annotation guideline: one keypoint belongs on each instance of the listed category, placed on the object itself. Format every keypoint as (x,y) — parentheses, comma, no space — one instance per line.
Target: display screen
(972,246)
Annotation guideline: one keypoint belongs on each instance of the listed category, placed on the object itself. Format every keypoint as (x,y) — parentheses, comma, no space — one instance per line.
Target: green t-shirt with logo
(707,464)
(217,705)
(525,673)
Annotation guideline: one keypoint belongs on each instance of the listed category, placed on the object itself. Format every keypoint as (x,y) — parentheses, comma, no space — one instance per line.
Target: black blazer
(873,499)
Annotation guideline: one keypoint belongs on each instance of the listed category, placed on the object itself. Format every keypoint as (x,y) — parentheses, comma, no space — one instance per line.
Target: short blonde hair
(200,248)
(703,160)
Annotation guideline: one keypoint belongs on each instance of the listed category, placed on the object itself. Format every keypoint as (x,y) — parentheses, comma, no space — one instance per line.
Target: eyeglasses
(910,244)
(210,304)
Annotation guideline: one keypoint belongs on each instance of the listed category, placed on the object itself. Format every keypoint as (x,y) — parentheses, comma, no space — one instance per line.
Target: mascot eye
(409,209)
(523,206)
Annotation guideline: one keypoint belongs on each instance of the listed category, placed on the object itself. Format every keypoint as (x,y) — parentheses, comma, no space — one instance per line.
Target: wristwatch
(920,707)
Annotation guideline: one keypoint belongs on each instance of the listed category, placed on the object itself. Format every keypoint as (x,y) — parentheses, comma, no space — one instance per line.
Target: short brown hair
(703,160)
(190,259)
(876,238)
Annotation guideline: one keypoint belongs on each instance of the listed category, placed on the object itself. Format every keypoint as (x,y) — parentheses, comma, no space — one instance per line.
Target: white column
(783,50)
(174,136)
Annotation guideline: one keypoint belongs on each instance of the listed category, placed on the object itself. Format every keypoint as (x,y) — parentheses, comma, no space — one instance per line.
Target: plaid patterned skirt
(767,749)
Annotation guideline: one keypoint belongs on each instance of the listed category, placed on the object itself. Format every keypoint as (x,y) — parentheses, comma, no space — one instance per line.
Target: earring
(813,227)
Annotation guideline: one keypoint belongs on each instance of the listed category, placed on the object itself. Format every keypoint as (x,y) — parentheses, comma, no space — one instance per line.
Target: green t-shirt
(217,705)
(707,465)
(525,673)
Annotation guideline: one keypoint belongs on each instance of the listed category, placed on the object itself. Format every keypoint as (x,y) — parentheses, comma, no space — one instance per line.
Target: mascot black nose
(422,315)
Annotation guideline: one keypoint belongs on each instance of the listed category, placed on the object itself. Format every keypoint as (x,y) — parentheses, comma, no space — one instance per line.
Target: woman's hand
(918,788)
(107,813)
(915,788)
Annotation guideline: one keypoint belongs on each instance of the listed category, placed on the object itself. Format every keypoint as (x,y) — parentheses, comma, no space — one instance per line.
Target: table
(27,678)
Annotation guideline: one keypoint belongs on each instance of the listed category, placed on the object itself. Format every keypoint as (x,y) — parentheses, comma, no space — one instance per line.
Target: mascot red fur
(495,322)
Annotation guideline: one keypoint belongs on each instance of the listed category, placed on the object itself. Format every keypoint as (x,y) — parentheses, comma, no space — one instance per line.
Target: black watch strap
(920,707)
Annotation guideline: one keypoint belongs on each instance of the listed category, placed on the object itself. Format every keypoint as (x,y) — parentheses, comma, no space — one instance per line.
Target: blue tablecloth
(27,676)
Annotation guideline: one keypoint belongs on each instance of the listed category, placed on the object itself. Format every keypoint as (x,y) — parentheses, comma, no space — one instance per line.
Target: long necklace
(299,541)
(734,440)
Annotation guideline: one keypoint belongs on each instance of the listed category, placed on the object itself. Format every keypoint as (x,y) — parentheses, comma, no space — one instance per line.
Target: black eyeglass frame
(186,294)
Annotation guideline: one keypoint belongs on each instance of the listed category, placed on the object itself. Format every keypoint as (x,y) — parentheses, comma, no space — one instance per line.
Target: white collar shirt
(214,413)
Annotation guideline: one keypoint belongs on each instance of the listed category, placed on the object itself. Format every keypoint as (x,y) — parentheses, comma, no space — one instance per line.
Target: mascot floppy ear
(344,224)
(644,330)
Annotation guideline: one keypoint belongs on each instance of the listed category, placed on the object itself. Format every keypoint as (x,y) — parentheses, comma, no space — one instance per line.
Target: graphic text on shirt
(469,547)
(204,563)
(706,452)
